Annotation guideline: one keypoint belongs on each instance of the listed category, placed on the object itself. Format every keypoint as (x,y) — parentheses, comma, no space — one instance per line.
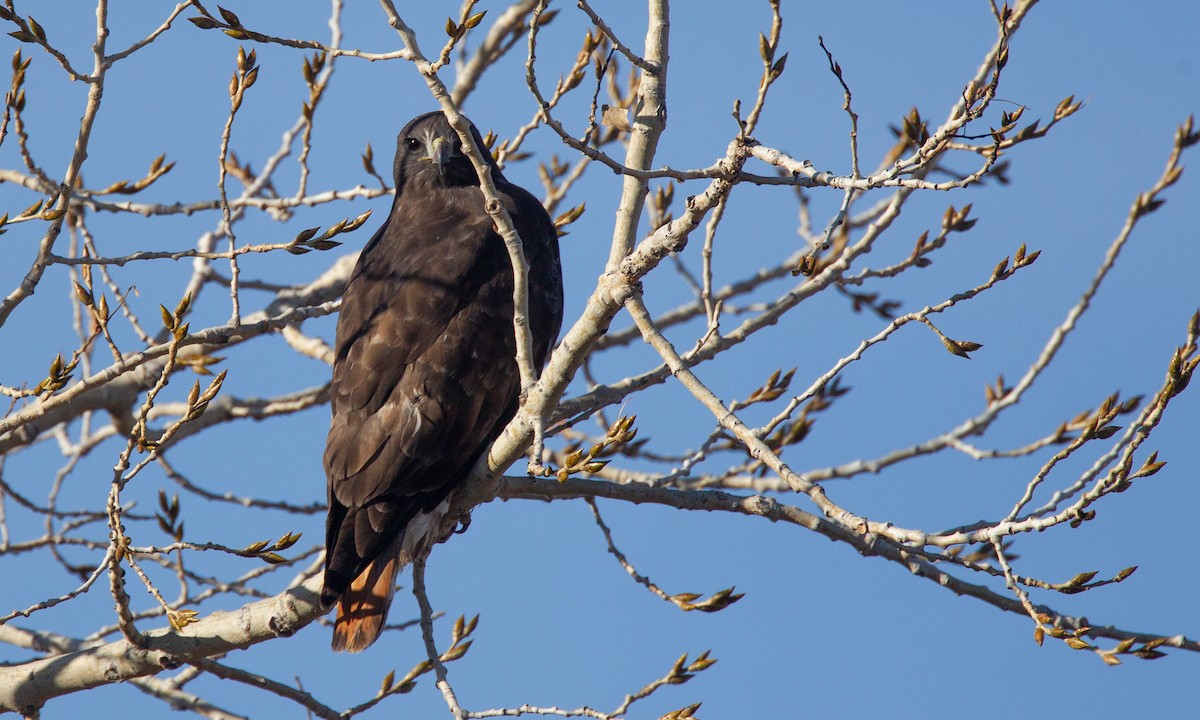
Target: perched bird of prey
(425,375)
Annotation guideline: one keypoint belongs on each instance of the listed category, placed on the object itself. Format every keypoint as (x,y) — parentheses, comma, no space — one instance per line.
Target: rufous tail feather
(363,608)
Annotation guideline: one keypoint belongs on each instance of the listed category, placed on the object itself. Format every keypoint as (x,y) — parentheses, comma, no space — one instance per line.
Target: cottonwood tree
(168,312)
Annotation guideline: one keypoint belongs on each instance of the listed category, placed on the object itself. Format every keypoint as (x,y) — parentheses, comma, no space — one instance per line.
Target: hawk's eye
(412,143)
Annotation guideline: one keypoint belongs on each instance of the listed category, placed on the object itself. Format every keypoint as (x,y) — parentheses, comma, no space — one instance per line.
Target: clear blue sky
(821,631)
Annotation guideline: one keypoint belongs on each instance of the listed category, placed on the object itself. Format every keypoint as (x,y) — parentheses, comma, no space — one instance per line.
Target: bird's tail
(362,609)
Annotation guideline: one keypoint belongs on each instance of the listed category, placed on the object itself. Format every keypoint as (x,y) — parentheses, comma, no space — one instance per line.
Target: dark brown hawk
(425,376)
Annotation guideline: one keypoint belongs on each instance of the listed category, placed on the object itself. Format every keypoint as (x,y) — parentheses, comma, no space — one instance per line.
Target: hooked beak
(438,152)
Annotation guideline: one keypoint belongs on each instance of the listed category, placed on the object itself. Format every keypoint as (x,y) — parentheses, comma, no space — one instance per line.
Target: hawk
(425,374)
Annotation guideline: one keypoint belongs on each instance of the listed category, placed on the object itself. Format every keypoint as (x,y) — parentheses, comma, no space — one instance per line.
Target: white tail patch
(426,529)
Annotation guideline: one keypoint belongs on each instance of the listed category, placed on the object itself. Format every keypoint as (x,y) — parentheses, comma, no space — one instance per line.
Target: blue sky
(821,631)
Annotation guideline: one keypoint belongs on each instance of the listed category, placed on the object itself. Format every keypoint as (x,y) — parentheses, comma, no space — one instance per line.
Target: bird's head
(429,151)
